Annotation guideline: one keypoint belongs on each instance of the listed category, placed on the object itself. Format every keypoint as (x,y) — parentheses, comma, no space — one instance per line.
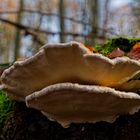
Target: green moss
(124,44)
(6,106)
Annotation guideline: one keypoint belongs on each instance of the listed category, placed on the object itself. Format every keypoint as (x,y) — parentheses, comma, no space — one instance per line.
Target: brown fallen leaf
(116,53)
(135,52)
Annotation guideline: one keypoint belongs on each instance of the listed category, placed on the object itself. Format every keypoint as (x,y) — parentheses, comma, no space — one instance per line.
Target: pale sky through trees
(117,3)
(112,17)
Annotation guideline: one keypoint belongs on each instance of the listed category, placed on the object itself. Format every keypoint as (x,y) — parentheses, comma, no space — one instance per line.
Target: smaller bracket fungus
(67,103)
(92,86)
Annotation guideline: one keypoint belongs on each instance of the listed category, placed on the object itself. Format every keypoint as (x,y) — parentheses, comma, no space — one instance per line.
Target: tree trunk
(30,124)
(93,6)
(17,35)
(105,17)
(61,19)
(36,44)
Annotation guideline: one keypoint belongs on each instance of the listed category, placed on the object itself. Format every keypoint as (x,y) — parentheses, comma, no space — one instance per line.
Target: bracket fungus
(68,83)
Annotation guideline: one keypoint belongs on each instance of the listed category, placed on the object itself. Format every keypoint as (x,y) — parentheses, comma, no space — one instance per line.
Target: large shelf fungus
(69,83)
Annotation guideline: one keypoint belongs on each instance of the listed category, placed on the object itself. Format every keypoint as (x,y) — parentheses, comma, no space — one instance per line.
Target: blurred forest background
(26,25)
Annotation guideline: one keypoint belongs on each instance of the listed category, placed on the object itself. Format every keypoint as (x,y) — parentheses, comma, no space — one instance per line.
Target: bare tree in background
(93,6)
(61,19)
(18,33)
(136,12)
(94,10)
(106,14)
(35,44)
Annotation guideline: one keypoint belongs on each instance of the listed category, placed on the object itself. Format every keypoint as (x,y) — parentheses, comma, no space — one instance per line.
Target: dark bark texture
(30,124)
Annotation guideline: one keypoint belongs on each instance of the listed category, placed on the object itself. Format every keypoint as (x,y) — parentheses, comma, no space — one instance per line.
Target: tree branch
(8,12)
(28,29)
(25,28)
(51,14)
(46,14)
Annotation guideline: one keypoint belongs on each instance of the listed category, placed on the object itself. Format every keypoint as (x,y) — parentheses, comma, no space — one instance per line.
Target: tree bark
(61,20)
(30,124)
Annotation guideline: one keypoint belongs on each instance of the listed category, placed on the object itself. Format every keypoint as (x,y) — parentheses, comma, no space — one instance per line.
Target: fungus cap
(69,62)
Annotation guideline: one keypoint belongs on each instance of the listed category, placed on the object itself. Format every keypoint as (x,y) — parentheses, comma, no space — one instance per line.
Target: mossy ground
(124,44)
(6,106)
